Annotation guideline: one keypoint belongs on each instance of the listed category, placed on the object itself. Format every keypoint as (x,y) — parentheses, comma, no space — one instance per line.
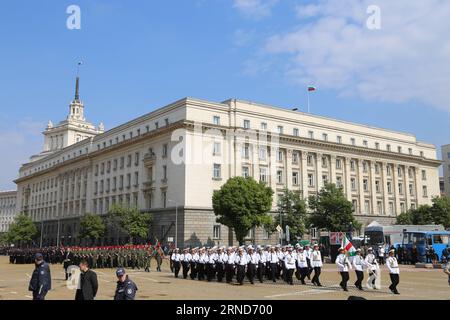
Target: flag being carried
(348,246)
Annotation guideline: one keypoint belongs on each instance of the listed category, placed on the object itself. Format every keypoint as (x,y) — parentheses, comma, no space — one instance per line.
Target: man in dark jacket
(126,289)
(88,285)
(41,281)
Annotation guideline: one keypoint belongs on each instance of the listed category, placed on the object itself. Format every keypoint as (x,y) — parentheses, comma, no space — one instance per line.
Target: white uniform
(241,260)
(392,265)
(358,263)
(301,260)
(273,257)
(316,259)
(343,263)
(175,257)
(289,261)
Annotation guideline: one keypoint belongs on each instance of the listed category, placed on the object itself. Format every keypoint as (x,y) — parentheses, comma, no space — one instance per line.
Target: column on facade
(361,186)
(255,163)
(417,179)
(347,179)
(373,188)
(319,181)
(273,168)
(304,167)
(396,191)
(406,188)
(332,169)
(288,168)
(384,187)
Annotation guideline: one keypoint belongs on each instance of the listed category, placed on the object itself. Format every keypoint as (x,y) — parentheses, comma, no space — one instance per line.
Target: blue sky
(141,56)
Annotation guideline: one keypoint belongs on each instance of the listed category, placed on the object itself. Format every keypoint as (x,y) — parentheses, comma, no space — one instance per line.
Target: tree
(21,230)
(292,210)
(242,204)
(92,227)
(422,215)
(440,211)
(331,210)
(405,218)
(131,221)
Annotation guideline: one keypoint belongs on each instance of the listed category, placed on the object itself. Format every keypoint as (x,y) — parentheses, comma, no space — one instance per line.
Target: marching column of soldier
(133,256)
(275,263)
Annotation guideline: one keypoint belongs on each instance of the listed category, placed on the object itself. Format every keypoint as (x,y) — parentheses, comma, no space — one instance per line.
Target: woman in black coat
(88,283)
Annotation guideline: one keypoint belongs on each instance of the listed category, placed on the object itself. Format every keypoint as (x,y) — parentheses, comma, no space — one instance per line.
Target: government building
(7,209)
(169,161)
(446,169)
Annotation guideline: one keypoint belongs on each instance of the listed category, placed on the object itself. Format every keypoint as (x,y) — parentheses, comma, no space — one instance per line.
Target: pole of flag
(310,89)
(78,67)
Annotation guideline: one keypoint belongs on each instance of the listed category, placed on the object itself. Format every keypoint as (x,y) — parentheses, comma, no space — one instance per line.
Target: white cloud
(408,59)
(256,9)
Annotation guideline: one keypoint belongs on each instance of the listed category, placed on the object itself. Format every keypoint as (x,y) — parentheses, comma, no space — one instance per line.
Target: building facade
(171,160)
(7,209)
(446,168)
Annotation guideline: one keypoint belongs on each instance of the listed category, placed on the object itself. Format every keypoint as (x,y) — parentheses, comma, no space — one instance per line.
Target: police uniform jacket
(41,281)
(125,290)
(289,262)
(316,259)
(392,265)
(301,260)
(358,263)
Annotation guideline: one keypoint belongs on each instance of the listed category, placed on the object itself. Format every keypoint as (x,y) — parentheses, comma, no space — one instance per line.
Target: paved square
(414,284)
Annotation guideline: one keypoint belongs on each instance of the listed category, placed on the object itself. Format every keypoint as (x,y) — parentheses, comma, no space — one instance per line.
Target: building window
(216,232)
(339,182)
(324,162)
(391,208)
(366,185)
(380,207)
(355,205)
(399,149)
(389,187)
(129,160)
(411,190)
(216,120)
(365,144)
(353,184)
(136,179)
(388,170)
(364,166)
(166,122)
(402,207)
(410,151)
(310,179)
(377,168)
(311,134)
(217,148)
(377,186)
(324,179)
(245,172)
(352,141)
(296,132)
(295,179)
(410,175)
(309,160)
(279,176)
(399,170)
(246,151)
(339,139)
(388,147)
(136,158)
(246,124)
(164,150)
(263,174)
(352,165)
(280,129)
(421,154)
(262,153)
(164,199)
(217,171)
(263,126)
(400,188)
(377,145)
(295,157)
(164,172)
(366,206)
(424,175)
(338,164)
(325,137)
(425,191)
(280,156)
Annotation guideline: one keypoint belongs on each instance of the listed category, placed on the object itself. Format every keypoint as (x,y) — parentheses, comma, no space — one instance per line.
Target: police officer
(229,260)
(372,267)
(358,264)
(41,281)
(289,266)
(185,259)
(126,289)
(394,271)
(175,258)
(343,265)
(302,264)
(273,261)
(241,262)
(253,260)
(316,264)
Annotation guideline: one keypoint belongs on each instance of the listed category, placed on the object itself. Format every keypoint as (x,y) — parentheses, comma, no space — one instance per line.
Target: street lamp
(176,221)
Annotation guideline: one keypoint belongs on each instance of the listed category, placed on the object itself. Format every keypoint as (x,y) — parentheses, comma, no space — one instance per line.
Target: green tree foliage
(21,230)
(242,204)
(292,210)
(439,213)
(130,220)
(331,210)
(92,227)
